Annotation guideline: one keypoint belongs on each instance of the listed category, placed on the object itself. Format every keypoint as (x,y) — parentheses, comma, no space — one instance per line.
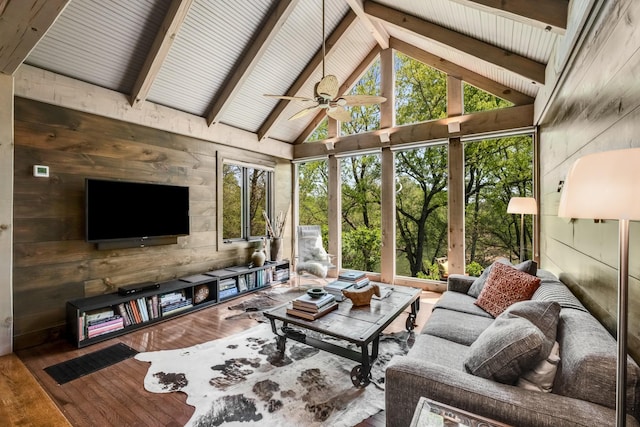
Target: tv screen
(119,210)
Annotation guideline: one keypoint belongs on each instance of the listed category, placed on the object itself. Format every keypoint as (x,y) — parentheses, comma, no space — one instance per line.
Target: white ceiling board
(467,61)
(291,50)
(531,42)
(104,43)
(205,52)
(352,50)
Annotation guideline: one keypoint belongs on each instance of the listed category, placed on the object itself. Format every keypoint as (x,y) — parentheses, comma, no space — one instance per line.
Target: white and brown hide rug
(243,380)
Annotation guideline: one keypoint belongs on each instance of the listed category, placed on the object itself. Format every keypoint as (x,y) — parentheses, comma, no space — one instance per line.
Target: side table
(430,413)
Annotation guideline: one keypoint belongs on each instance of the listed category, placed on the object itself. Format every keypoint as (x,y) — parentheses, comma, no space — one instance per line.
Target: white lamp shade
(522,205)
(603,185)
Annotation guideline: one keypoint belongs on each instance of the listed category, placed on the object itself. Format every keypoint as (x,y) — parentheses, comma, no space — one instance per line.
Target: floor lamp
(522,206)
(605,186)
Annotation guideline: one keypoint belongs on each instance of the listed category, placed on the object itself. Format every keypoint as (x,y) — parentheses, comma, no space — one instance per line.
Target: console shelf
(94,319)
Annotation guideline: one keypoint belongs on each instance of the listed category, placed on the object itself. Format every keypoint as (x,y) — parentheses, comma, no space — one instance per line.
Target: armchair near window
(312,257)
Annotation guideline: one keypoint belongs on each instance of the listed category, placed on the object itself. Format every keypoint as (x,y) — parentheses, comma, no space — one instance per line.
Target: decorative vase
(258,257)
(276,246)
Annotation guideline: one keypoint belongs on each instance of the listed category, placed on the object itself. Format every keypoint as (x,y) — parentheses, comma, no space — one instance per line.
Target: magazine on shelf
(292,311)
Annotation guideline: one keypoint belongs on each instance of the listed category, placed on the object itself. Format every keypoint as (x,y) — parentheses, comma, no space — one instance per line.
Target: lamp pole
(623,278)
(521,237)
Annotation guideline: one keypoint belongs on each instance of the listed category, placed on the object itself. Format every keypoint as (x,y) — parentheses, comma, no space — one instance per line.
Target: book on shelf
(123,312)
(102,328)
(307,303)
(104,322)
(226,293)
(142,309)
(227,284)
(176,307)
(293,311)
(242,283)
(99,314)
(134,309)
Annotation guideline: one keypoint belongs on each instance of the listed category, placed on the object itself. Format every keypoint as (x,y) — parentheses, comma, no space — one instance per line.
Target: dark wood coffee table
(361,326)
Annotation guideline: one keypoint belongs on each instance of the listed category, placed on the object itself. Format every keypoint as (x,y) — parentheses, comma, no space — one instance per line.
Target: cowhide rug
(243,380)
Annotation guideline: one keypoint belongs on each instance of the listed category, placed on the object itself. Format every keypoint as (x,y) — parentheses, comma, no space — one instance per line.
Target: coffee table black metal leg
(411,319)
(361,374)
(281,340)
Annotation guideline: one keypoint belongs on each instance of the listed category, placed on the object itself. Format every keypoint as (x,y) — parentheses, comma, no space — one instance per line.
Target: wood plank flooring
(115,396)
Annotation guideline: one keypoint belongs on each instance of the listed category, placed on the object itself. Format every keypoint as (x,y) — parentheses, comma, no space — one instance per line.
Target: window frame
(246,238)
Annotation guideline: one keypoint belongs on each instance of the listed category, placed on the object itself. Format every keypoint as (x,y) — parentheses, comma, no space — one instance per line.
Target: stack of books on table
(335,288)
(357,278)
(310,308)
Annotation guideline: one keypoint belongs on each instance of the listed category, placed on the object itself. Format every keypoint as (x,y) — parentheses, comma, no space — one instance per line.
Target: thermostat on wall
(41,171)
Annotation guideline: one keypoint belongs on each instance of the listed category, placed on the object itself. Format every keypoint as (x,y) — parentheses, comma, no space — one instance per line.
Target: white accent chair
(312,258)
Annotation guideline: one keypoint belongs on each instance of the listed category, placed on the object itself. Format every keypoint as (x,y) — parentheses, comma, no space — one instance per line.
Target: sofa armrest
(459,283)
(408,378)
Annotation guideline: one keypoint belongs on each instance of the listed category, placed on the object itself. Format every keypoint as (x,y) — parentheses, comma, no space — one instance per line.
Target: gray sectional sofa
(436,367)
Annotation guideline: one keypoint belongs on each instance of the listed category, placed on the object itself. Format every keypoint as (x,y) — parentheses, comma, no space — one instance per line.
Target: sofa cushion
(587,368)
(515,342)
(558,292)
(463,303)
(440,351)
(505,286)
(456,326)
(529,266)
(541,377)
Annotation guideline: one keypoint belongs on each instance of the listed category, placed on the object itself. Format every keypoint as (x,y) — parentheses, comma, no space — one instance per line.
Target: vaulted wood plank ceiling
(216,59)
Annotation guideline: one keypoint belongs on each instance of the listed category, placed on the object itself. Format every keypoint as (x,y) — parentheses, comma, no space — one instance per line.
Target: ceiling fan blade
(328,87)
(303,112)
(291,98)
(360,100)
(339,114)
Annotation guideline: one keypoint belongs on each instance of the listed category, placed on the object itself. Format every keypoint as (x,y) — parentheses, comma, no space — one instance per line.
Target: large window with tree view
(496,169)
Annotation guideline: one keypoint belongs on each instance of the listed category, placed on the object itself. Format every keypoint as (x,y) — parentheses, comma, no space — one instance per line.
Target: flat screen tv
(121,210)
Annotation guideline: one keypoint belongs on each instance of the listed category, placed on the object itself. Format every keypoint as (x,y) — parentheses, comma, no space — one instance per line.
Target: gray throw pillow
(529,266)
(521,337)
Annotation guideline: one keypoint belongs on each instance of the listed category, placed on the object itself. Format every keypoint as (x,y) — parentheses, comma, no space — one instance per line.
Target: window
(421,211)
(246,194)
(361,212)
(496,170)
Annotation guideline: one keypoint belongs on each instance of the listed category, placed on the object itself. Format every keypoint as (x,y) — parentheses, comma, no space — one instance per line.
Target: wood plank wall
(52,261)
(597,109)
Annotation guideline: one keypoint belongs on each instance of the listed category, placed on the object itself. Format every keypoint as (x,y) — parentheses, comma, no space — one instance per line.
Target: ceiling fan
(326,93)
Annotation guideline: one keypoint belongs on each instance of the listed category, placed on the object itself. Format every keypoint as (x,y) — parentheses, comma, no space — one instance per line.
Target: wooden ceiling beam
(330,44)
(510,61)
(23,24)
(484,122)
(449,68)
(173,20)
(248,60)
(375,28)
(550,15)
(346,87)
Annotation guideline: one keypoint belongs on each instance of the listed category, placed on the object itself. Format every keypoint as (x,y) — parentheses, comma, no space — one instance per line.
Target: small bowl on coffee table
(316,292)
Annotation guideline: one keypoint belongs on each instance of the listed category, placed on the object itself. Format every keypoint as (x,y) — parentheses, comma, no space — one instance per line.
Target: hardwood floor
(115,396)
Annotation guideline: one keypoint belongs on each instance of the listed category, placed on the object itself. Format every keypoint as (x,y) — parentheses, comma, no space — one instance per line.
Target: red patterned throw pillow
(505,286)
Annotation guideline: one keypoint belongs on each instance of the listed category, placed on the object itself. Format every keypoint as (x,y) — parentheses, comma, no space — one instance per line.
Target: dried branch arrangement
(277,227)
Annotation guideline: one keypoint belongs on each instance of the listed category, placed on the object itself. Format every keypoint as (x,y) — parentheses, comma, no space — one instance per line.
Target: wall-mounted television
(135,213)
